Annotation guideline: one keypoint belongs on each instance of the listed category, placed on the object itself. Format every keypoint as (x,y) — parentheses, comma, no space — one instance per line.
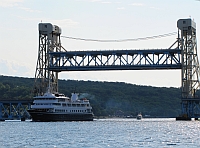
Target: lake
(100,133)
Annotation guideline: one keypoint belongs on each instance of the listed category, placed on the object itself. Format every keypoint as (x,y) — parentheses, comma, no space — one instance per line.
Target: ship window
(63,104)
(61,99)
(58,104)
(59,110)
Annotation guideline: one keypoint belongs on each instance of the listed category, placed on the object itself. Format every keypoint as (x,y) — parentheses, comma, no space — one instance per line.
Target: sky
(93,19)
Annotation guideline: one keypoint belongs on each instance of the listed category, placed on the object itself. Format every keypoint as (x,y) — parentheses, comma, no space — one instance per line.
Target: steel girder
(14,109)
(115,60)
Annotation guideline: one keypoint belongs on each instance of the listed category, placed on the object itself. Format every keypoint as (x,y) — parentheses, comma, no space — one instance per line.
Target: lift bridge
(53,58)
(182,54)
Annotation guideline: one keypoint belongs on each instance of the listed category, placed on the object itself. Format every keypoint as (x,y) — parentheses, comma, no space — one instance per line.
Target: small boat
(139,116)
(58,107)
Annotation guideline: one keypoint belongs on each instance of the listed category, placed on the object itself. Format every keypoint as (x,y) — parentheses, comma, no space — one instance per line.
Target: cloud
(64,23)
(117,2)
(10,3)
(14,68)
(137,4)
(105,2)
(94,0)
(121,8)
(28,18)
(29,9)
(67,23)
(99,1)
(154,8)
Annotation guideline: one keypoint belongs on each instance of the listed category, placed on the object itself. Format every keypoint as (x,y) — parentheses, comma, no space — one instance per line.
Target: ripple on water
(101,133)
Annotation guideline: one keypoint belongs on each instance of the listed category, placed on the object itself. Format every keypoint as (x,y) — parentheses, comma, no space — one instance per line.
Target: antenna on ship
(49,87)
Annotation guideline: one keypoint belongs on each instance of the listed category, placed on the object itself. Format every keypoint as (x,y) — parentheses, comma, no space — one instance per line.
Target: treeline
(106,98)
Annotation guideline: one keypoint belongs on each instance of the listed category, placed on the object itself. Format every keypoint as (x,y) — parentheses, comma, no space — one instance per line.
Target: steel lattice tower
(190,68)
(49,41)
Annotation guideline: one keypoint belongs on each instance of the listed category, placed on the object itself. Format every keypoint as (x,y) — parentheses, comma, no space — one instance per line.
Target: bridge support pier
(190,70)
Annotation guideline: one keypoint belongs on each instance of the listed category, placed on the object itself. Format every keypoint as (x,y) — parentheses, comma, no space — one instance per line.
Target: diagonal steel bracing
(14,109)
(115,60)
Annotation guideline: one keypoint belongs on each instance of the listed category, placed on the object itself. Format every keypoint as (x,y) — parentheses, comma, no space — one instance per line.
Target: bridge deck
(115,60)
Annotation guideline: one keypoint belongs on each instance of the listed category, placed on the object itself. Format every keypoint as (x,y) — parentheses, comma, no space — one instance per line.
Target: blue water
(101,133)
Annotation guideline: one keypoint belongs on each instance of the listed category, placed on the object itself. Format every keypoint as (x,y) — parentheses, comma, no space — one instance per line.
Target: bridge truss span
(115,60)
(14,109)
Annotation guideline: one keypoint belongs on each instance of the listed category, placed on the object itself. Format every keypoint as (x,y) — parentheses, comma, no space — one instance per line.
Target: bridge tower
(49,41)
(190,68)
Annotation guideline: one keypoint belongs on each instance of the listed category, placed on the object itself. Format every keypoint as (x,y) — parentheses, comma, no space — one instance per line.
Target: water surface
(101,133)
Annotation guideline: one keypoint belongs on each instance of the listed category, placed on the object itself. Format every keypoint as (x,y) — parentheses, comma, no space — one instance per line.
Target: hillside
(107,98)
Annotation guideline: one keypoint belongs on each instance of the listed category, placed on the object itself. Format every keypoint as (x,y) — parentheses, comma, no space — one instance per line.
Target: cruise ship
(58,107)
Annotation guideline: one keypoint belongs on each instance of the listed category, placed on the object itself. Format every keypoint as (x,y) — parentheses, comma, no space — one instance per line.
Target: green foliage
(106,98)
